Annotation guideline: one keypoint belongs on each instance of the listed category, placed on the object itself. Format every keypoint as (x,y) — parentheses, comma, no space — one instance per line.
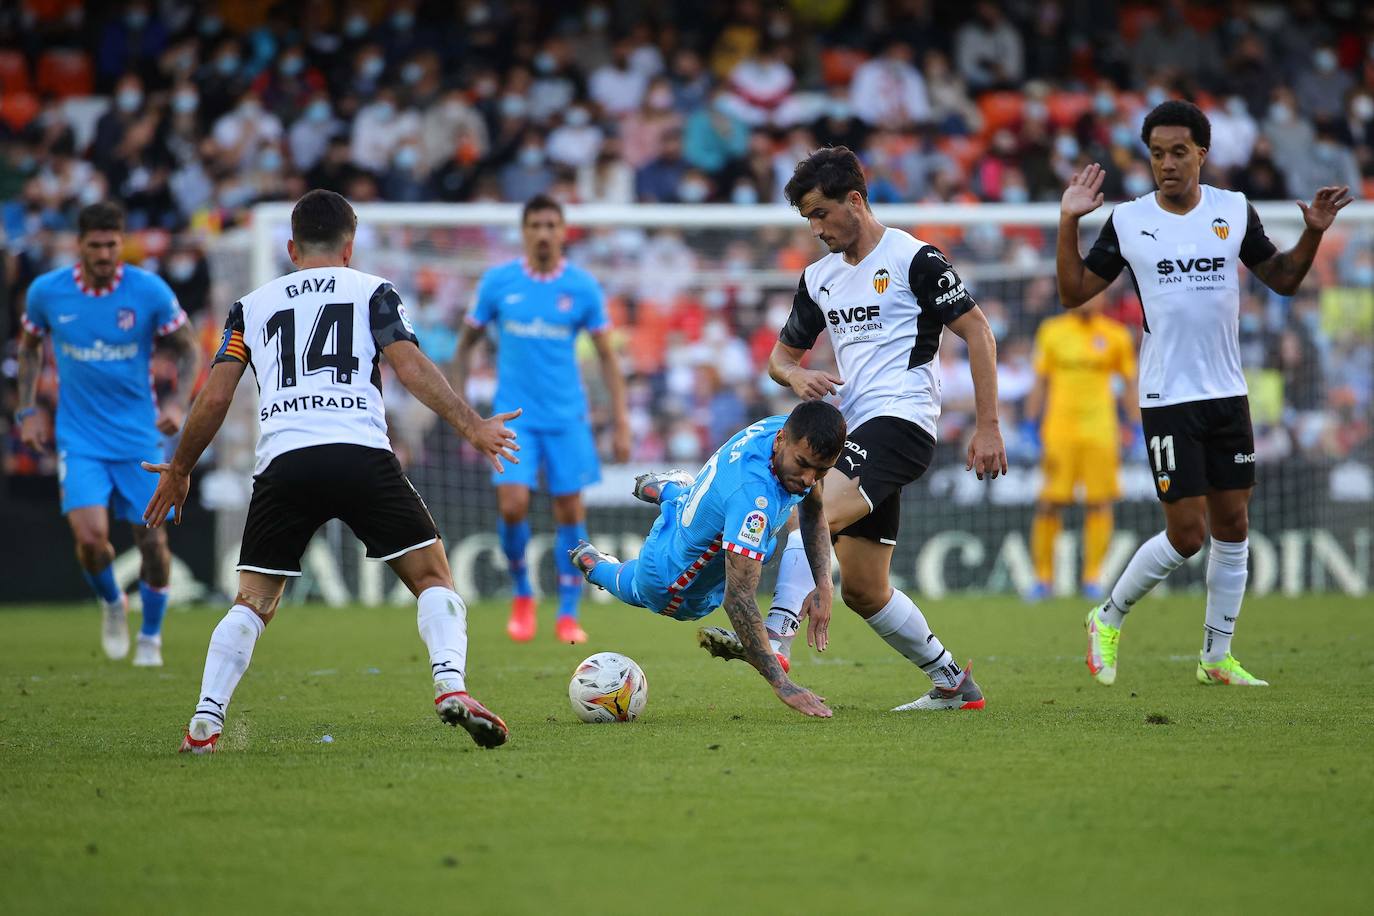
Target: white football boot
(114,628)
(148,652)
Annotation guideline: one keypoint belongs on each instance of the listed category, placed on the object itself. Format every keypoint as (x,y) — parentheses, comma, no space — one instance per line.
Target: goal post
(697,294)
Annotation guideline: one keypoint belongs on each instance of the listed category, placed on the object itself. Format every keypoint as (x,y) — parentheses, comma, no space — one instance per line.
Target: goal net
(697,295)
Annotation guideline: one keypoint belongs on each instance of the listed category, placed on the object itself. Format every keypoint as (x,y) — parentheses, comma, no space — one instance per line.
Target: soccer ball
(608,687)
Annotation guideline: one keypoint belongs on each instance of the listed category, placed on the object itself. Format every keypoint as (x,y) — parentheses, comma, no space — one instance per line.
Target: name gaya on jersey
(885,317)
(314,340)
(1186,270)
(103,342)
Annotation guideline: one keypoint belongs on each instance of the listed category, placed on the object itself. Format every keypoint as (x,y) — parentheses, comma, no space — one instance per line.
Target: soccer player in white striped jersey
(1182,243)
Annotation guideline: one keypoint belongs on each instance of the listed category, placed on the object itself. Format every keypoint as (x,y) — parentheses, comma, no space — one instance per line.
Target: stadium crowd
(189,114)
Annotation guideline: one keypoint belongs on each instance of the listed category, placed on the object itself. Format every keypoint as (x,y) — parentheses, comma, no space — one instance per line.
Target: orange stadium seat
(1000,109)
(17,109)
(838,65)
(963,150)
(1066,108)
(65,72)
(14,71)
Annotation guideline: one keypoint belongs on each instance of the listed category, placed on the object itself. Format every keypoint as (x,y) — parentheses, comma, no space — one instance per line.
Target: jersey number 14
(333,325)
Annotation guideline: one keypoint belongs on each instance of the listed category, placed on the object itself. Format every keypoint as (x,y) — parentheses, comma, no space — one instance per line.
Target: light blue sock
(514,539)
(565,538)
(154,606)
(619,580)
(104,585)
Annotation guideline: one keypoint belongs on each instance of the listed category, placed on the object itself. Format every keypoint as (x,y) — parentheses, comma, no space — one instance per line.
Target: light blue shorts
(566,456)
(92,481)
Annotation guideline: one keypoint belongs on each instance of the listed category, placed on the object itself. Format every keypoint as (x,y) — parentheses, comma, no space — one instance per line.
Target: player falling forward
(104,317)
(885,299)
(1181,244)
(1076,356)
(314,338)
(538,304)
(714,533)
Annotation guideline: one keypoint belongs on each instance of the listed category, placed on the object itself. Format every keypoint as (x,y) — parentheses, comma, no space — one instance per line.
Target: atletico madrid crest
(125,319)
(880,280)
(1221,228)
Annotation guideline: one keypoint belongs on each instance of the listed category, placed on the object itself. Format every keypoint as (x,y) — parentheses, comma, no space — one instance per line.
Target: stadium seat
(838,65)
(963,150)
(65,72)
(14,72)
(17,109)
(1000,109)
(1066,108)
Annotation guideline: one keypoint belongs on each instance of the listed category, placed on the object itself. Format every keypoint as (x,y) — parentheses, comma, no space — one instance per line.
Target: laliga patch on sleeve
(753,529)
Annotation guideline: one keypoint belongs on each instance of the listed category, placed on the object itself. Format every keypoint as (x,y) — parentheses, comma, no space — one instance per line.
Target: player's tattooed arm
(1284,272)
(30,368)
(815,534)
(742,607)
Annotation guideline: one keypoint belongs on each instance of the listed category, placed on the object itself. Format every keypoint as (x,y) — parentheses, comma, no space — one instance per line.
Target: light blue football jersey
(537,318)
(103,341)
(735,504)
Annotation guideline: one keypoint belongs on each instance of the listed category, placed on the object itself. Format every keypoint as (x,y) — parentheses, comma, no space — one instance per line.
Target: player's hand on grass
(31,432)
(987,455)
(813,384)
(493,439)
(169,419)
(1321,213)
(1084,193)
(170,493)
(620,442)
(802,700)
(816,610)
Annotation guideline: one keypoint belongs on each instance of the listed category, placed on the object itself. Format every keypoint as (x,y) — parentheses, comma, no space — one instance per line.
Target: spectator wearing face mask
(1359,119)
(576,141)
(188,274)
(379,128)
(529,174)
(310,134)
(1290,136)
(369,65)
(761,83)
(658,182)
(988,50)
(608,180)
(888,91)
(115,124)
(1321,90)
(713,137)
(407,179)
(287,86)
(242,132)
(1328,162)
(642,132)
(220,81)
(616,86)
(553,88)
(453,131)
(1233,136)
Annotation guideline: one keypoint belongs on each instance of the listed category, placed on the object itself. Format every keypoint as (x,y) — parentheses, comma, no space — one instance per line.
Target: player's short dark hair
(833,170)
(105,216)
(538,203)
(820,424)
(1178,113)
(322,221)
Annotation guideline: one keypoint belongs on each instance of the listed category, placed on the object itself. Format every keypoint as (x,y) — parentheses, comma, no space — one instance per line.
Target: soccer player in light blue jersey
(104,318)
(534,309)
(714,533)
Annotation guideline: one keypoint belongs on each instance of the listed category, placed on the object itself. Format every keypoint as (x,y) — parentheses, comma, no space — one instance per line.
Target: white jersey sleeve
(314,339)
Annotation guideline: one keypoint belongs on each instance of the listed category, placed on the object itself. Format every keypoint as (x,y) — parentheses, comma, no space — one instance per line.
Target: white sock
(231,649)
(795,582)
(443,620)
(903,627)
(1227,570)
(1152,563)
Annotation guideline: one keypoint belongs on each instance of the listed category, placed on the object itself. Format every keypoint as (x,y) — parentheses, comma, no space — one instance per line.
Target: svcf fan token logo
(880,280)
(1221,228)
(1163,481)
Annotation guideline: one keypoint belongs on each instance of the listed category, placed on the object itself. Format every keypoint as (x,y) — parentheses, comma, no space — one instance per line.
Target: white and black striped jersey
(314,339)
(885,316)
(1186,269)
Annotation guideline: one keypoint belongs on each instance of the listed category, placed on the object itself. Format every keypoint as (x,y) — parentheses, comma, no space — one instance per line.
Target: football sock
(154,606)
(514,539)
(104,585)
(619,580)
(795,582)
(231,649)
(1227,571)
(570,581)
(903,627)
(443,622)
(1097,534)
(1044,531)
(1152,563)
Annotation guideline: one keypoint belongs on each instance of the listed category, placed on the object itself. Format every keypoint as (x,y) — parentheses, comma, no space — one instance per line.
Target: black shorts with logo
(884,454)
(1198,446)
(306,487)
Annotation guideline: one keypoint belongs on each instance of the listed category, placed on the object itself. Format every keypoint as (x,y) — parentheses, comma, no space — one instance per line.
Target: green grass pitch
(1156,795)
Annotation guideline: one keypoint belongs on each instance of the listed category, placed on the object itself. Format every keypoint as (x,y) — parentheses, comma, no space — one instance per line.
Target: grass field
(1156,795)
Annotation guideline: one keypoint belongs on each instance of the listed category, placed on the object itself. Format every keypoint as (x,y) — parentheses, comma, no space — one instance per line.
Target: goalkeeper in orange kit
(1078,358)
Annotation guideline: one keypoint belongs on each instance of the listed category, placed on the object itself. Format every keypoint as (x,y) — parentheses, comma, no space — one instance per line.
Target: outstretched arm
(207,416)
(986,453)
(1283,272)
(1077,283)
(423,379)
(30,368)
(742,607)
(815,533)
